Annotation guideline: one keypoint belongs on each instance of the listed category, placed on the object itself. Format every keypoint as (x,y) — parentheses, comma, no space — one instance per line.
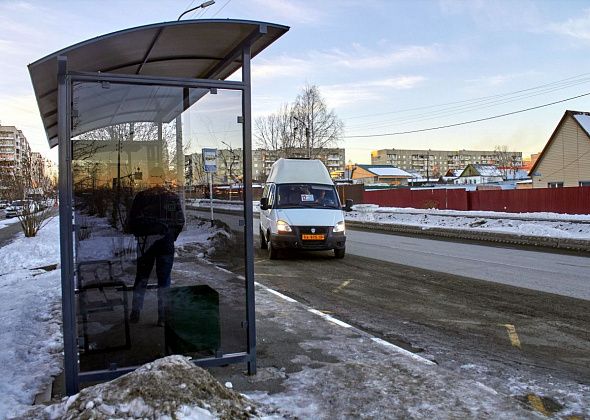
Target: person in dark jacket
(156,219)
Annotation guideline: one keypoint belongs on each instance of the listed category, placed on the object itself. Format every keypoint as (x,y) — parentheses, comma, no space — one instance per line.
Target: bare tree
(306,125)
(321,127)
(505,160)
(32,189)
(275,132)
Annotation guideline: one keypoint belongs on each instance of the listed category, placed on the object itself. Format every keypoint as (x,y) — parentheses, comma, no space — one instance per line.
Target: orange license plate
(307,237)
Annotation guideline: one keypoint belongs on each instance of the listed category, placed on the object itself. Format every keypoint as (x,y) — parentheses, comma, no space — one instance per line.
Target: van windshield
(306,195)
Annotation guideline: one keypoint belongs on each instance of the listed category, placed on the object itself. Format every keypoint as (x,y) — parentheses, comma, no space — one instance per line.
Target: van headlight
(283,227)
(339,228)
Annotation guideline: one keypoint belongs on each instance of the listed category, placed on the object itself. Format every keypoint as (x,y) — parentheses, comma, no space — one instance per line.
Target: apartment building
(262,160)
(435,163)
(14,149)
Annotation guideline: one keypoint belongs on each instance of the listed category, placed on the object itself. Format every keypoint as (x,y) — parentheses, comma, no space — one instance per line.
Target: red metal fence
(572,200)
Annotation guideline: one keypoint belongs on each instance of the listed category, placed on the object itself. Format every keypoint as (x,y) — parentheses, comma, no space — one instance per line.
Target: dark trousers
(161,252)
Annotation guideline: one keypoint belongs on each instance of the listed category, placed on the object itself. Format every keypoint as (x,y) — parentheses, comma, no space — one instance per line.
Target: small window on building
(584,183)
(555,185)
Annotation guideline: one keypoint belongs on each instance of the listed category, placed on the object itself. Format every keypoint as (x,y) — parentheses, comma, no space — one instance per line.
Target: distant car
(4,204)
(17,207)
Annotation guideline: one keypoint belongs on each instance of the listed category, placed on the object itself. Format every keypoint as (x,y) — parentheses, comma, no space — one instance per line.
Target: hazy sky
(383,66)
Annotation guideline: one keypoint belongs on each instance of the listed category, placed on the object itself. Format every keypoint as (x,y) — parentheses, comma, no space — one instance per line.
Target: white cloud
(280,67)
(578,28)
(496,15)
(497,80)
(287,10)
(363,59)
(342,94)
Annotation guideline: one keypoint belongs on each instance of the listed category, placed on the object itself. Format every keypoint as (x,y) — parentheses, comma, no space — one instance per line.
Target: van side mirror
(264,203)
(348,205)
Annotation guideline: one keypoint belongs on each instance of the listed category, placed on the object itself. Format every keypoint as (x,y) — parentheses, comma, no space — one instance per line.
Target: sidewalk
(311,365)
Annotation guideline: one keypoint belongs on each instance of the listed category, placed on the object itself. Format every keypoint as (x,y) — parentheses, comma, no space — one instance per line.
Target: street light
(200,6)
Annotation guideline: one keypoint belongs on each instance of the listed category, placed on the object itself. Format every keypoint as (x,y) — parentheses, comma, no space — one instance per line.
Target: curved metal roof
(197,49)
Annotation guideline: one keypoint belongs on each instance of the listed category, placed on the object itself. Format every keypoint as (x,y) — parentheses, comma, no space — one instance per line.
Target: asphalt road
(565,274)
(429,297)
(8,232)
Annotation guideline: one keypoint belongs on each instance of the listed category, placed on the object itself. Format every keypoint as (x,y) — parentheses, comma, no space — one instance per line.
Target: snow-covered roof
(486,170)
(584,121)
(518,174)
(386,170)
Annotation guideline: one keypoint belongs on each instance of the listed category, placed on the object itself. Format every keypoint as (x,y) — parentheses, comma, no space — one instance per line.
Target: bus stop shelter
(131,113)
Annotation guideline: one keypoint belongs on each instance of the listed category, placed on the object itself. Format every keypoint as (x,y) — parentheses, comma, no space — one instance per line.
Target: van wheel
(273,253)
(339,253)
(262,240)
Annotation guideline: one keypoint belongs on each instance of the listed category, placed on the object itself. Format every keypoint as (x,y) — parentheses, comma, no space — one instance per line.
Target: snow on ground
(551,225)
(545,224)
(30,307)
(31,345)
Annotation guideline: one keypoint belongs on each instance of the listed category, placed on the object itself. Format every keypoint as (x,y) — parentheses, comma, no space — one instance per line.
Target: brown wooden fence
(571,200)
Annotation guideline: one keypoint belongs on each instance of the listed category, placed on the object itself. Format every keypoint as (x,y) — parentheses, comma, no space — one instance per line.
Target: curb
(498,237)
(579,245)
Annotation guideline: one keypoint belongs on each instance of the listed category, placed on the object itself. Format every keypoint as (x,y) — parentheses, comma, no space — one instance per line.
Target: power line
(568,79)
(468,107)
(468,122)
(222,7)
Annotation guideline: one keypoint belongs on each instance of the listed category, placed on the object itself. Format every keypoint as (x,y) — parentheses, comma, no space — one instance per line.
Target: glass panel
(155,273)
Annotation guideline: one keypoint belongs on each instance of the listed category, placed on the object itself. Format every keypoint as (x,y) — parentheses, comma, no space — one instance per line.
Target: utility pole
(307,135)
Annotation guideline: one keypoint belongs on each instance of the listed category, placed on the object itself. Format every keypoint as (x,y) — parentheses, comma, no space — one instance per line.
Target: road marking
(276,275)
(274,292)
(537,404)
(343,285)
(345,325)
(402,351)
(330,318)
(512,335)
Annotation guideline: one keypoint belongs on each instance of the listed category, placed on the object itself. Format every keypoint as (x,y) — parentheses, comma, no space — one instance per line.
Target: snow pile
(171,387)
(550,225)
(30,307)
(31,344)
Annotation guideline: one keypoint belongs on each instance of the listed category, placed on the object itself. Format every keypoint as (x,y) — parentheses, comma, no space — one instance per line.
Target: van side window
(271,196)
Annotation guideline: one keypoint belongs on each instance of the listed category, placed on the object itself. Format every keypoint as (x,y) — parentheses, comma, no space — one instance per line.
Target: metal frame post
(73,375)
(248,212)
(66,226)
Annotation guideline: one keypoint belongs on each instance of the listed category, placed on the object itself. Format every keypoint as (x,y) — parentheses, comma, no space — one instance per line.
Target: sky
(383,66)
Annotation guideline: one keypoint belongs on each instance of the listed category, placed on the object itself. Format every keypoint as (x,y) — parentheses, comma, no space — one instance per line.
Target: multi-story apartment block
(14,149)
(434,163)
(230,164)
(262,160)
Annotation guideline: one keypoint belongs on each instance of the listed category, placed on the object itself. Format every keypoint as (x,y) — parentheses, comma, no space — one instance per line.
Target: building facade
(565,159)
(262,160)
(436,163)
(14,150)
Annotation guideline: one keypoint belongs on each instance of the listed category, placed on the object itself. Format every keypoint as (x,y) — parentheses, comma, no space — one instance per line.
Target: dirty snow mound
(169,388)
